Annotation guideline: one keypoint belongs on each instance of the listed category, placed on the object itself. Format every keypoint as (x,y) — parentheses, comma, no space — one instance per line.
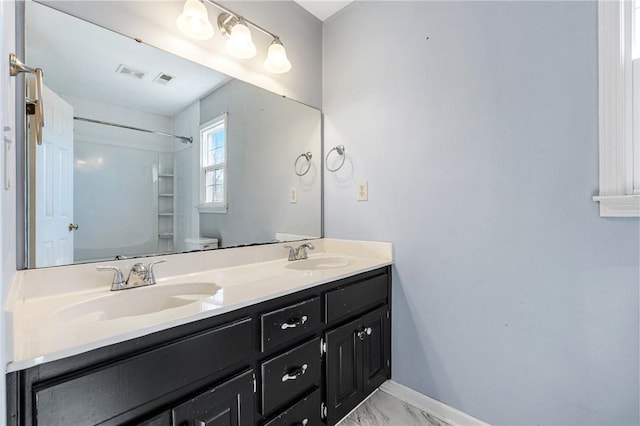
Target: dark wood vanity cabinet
(307,358)
(357,362)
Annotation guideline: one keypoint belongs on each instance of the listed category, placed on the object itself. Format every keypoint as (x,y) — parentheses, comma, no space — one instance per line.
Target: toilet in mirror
(146,153)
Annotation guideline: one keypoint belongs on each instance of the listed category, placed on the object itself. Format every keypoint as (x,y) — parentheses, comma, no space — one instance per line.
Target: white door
(54,184)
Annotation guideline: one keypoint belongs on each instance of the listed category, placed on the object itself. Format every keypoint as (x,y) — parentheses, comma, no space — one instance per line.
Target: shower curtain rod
(184,139)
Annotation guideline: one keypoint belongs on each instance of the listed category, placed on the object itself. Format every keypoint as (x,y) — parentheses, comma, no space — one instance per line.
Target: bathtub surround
(113,168)
(513,300)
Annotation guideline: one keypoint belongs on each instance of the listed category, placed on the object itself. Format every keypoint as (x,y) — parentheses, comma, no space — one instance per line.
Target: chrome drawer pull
(296,373)
(293,323)
(302,423)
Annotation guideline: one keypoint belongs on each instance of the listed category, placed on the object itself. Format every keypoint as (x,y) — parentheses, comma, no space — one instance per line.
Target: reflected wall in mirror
(97,191)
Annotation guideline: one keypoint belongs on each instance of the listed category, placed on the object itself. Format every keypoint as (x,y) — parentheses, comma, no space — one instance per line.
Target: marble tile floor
(382,409)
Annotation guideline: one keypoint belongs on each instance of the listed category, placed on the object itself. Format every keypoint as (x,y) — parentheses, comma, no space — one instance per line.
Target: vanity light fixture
(239,43)
(194,22)
(277,61)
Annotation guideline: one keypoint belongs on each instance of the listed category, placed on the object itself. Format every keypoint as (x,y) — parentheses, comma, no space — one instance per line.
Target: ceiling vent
(163,79)
(131,72)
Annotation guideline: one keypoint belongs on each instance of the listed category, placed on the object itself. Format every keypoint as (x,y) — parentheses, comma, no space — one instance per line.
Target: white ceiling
(82,59)
(323,9)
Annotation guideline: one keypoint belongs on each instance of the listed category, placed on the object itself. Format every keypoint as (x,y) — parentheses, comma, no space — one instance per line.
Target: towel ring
(307,156)
(340,150)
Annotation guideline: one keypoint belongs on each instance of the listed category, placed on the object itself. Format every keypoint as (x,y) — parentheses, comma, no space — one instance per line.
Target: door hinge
(323,411)
(323,347)
(255,384)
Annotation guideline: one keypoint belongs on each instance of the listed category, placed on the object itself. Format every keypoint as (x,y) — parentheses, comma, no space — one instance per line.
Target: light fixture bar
(254,25)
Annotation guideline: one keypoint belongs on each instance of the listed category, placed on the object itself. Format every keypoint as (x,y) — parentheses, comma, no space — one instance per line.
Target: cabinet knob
(294,322)
(293,375)
(364,333)
(302,423)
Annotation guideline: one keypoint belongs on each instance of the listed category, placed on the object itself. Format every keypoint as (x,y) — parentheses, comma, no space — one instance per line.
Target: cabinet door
(376,349)
(228,404)
(344,372)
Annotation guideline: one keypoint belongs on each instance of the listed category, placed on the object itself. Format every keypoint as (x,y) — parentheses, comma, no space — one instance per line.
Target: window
(619,110)
(213,166)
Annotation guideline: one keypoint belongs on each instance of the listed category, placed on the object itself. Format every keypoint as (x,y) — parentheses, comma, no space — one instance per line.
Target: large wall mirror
(147,153)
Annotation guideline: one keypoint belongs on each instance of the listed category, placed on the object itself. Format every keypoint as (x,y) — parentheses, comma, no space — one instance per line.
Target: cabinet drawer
(287,376)
(107,391)
(289,323)
(305,412)
(229,403)
(345,301)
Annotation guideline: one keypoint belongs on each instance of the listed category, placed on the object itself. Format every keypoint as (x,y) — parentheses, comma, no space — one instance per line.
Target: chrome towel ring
(307,156)
(340,151)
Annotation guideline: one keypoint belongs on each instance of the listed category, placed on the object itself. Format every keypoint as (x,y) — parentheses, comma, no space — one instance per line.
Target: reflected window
(213,165)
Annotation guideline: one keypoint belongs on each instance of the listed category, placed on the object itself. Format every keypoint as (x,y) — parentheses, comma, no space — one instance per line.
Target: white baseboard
(429,405)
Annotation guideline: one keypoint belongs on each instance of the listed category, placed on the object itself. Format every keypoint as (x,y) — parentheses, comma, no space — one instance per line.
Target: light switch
(363,191)
(293,195)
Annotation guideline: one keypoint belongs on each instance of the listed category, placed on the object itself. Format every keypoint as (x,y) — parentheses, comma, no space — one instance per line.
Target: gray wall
(265,134)
(475,124)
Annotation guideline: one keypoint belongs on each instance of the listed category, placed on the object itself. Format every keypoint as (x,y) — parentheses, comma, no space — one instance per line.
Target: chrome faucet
(139,275)
(300,252)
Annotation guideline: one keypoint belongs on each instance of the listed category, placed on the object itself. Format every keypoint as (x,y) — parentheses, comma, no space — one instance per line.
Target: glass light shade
(240,43)
(277,61)
(194,21)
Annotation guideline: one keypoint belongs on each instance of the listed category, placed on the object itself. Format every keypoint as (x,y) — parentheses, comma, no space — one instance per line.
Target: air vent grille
(163,78)
(131,72)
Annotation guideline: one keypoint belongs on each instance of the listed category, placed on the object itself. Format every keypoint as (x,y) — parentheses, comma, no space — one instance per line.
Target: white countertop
(39,300)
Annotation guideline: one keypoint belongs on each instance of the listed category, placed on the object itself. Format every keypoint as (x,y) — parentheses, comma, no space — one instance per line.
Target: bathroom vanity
(304,355)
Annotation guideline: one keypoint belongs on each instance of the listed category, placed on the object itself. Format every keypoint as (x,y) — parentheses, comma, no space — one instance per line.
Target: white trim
(205,128)
(635,66)
(212,208)
(615,106)
(430,405)
(619,205)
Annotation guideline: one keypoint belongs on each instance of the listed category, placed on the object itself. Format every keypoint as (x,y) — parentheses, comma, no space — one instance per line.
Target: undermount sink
(139,301)
(318,263)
